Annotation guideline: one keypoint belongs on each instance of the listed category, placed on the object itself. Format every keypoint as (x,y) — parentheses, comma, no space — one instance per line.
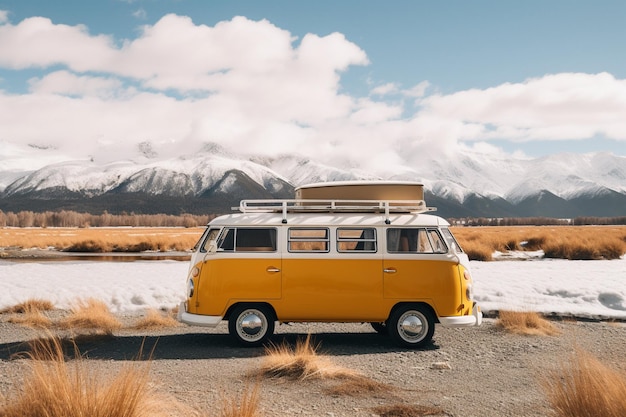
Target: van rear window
(415,240)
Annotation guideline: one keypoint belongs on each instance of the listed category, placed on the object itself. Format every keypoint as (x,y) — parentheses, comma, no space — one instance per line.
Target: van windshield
(209,236)
(449,237)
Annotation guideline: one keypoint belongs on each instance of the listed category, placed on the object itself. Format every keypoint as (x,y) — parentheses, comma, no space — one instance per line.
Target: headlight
(468,292)
(190,288)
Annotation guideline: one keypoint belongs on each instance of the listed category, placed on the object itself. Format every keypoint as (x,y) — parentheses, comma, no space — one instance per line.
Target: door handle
(272,269)
(390,270)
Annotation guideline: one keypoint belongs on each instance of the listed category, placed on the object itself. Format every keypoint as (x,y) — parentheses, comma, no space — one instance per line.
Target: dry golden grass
(57,388)
(585,387)
(30,313)
(34,319)
(102,239)
(525,322)
(567,242)
(247,405)
(300,363)
(30,305)
(156,320)
(91,314)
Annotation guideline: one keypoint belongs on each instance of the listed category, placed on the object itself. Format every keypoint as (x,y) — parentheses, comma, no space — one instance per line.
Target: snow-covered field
(595,289)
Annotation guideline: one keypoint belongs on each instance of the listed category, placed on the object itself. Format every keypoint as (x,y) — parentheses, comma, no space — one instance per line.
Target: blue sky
(526,79)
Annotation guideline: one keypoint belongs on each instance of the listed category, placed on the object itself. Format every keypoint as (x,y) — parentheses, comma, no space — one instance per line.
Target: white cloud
(385,89)
(37,42)
(418,90)
(140,14)
(66,83)
(553,107)
(4,16)
(253,87)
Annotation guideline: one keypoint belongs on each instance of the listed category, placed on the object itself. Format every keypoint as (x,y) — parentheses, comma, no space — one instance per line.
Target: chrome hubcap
(411,326)
(251,325)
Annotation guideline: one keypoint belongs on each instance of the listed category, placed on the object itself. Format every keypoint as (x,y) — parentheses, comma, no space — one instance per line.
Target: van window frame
(206,238)
(420,233)
(359,240)
(236,230)
(451,240)
(325,239)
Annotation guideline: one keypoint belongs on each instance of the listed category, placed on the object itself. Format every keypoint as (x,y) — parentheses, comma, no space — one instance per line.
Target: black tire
(411,326)
(380,327)
(251,325)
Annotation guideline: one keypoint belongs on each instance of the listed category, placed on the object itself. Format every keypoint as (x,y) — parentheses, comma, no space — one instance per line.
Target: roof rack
(285,206)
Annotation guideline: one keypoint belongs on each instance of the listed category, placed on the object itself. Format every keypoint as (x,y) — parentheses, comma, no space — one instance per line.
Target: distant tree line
(74,219)
(537,221)
(68,218)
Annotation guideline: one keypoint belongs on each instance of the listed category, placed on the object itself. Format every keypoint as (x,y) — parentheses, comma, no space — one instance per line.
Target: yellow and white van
(320,258)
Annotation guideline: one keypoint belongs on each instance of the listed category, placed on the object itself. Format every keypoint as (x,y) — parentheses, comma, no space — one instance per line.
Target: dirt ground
(481,372)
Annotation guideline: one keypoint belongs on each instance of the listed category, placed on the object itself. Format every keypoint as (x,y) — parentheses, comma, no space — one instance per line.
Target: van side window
(248,240)
(356,240)
(401,240)
(415,240)
(226,241)
(308,239)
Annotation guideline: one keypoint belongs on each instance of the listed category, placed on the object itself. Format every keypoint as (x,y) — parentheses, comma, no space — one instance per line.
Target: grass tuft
(301,363)
(156,320)
(30,305)
(91,314)
(34,319)
(525,322)
(55,387)
(585,387)
(245,406)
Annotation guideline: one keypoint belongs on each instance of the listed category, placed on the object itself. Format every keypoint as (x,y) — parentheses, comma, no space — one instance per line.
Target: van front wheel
(411,326)
(251,325)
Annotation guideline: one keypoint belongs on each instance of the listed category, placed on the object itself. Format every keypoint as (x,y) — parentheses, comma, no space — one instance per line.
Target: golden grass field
(566,242)
(102,239)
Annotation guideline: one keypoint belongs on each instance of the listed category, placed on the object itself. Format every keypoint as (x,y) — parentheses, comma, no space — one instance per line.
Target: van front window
(241,239)
(211,235)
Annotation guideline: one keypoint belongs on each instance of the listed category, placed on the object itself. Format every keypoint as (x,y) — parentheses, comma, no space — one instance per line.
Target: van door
(342,282)
(246,267)
(418,267)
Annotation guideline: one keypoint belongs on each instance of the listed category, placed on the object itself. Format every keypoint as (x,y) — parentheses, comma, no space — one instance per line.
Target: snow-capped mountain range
(461,185)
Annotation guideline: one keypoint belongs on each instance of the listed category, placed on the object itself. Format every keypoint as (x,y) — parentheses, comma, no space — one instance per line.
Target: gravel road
(480,372)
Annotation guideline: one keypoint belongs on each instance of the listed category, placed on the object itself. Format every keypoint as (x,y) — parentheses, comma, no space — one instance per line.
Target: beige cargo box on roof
(361,190)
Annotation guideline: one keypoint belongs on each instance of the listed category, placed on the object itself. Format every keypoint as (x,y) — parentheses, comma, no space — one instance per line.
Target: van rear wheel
(411,326)
(251,325)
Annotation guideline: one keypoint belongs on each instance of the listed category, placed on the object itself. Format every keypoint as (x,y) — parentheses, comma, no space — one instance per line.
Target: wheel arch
(252,304)
(422,304)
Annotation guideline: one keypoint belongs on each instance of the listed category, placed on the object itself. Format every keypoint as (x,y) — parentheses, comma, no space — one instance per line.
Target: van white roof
(329,219)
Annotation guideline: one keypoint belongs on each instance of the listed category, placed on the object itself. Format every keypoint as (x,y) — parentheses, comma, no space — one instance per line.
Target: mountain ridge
(463,185)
